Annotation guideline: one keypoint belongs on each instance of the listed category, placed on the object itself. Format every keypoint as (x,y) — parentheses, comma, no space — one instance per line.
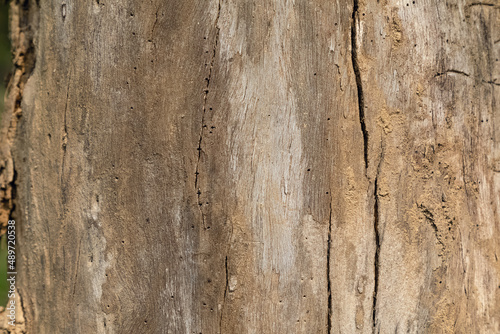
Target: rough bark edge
(20,327)
(23,51)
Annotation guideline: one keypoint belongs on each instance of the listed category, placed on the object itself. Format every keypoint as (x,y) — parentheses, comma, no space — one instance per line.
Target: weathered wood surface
(256,166)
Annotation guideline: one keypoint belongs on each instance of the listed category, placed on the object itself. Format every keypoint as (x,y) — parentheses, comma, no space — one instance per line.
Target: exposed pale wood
(255,166)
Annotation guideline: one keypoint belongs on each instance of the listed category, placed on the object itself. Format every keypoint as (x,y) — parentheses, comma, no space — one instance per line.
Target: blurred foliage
(5,66)
(5,55)
(4,37)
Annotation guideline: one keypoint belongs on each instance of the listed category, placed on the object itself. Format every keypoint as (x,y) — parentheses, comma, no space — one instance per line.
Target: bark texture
(255,166)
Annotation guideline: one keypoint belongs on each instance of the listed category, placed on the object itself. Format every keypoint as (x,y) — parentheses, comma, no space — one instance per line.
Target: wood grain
(256,166)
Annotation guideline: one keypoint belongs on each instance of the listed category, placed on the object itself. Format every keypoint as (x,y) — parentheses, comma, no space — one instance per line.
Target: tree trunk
(255,166)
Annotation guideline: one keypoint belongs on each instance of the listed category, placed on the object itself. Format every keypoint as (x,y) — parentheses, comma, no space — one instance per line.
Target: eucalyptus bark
(255,166)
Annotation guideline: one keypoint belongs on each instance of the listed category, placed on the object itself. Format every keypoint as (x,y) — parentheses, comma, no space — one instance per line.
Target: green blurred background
(5,66)
(5,58)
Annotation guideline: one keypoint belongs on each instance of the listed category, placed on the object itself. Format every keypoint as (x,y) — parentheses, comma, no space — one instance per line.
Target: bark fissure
(77,267)
(451,71)
(429,216)
(359,84)
(481,4)
(328,279)
(204,110)
(65,133)
(377,254)
(225,294)
(492,82)
(152,33)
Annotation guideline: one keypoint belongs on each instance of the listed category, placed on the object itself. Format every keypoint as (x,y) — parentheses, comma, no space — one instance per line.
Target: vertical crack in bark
(204,110)
(377,253)
(328,279)
(225,294)
(152,33)
(355,65)
(429,216)
(76,268)
(361,110)
(65,138)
